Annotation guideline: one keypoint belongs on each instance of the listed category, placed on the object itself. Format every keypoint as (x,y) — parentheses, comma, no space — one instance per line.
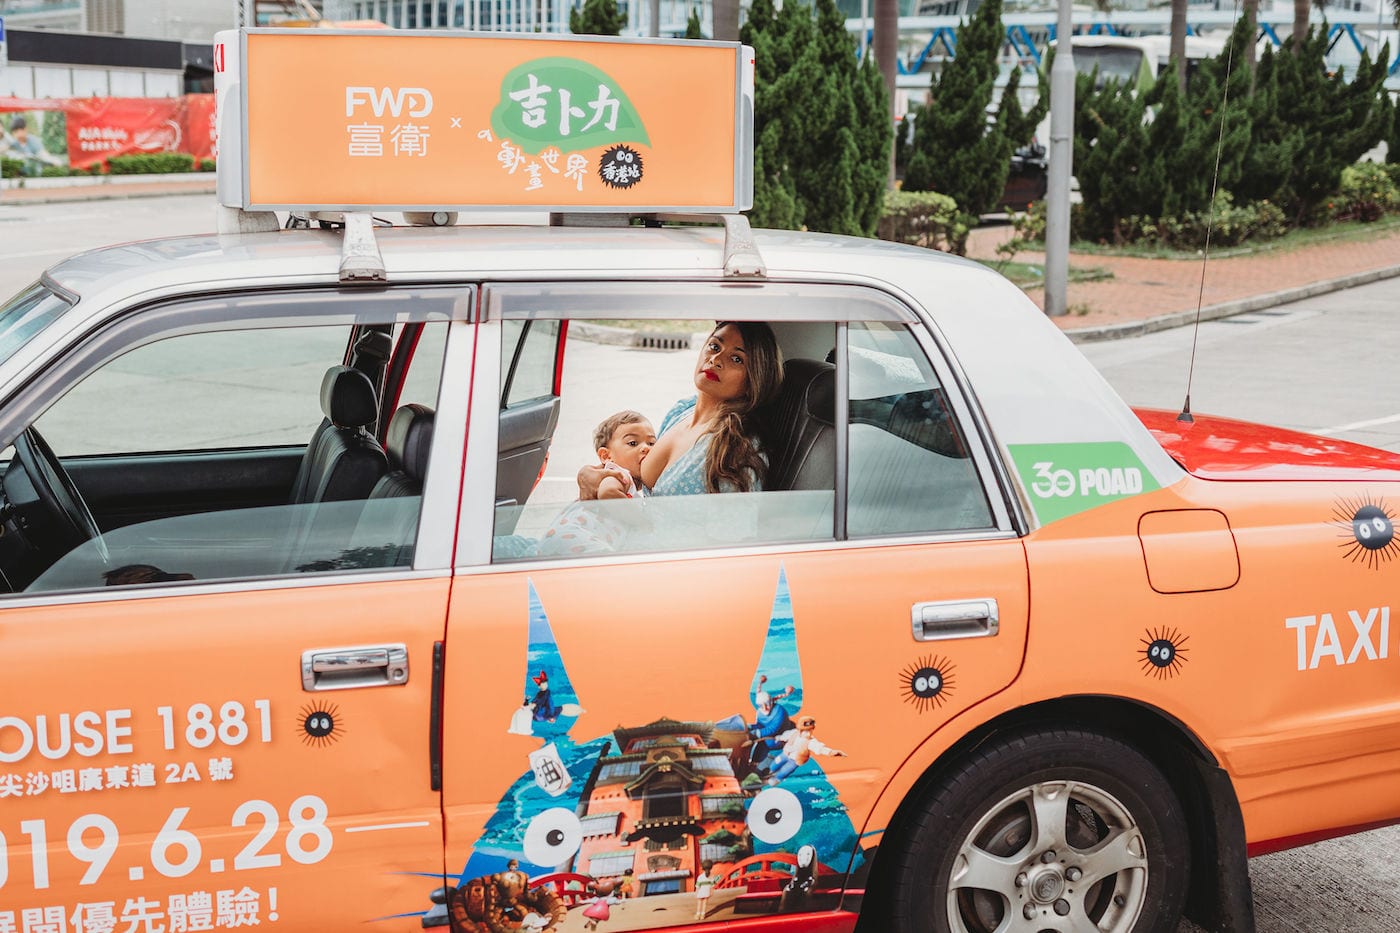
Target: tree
(725,15)
(597,18)
(820,121)
(692,25)
(1177,47)
(959,150)
(886,49)
(1301,11)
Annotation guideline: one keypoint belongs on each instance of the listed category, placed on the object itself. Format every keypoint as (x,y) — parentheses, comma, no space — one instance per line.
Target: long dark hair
(733,459)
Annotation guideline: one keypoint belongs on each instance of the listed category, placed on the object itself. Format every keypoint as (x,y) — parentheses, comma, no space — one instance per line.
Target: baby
(623,439)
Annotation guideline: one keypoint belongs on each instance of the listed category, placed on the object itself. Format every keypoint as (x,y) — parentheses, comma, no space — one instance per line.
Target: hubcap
(1056,855)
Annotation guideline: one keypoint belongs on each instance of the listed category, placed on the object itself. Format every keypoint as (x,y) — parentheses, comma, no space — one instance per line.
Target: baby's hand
(591,476)
(615,485)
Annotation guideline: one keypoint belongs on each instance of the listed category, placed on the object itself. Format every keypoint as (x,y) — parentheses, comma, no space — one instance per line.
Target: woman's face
(722,370)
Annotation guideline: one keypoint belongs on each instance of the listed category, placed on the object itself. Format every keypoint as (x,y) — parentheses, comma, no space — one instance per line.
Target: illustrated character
(771,719)
(797,893)
(542,706)
(599,908)
(799,745)
(504,903)
(624,885)
(704,884)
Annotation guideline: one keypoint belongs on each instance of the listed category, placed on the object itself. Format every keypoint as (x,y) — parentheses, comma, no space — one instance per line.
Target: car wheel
(1059,830)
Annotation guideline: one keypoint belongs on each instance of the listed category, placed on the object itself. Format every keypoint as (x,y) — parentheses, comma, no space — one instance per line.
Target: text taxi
(320,610)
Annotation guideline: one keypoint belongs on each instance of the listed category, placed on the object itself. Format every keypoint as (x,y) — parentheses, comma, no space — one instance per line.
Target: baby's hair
(602,434)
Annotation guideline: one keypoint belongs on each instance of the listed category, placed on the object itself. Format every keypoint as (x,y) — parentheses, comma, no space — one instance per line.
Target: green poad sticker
(1065,479)
(567,104)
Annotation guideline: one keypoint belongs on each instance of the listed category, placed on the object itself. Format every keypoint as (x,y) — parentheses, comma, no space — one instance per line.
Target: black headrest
(410,438)
(347,398)
(813,386)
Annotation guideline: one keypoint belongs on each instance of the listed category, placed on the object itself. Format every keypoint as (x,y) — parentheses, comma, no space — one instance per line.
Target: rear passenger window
(909,469)
(855,439)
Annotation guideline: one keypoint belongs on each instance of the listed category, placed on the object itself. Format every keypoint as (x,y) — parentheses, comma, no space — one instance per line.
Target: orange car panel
(209,779)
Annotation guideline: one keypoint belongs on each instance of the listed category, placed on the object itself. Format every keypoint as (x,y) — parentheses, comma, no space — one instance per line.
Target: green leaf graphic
(566,103)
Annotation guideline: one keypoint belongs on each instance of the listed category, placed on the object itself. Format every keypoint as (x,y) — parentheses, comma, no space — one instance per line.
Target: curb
(1228,308)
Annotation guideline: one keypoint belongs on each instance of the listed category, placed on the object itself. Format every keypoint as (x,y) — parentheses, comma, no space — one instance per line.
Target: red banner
(83,132)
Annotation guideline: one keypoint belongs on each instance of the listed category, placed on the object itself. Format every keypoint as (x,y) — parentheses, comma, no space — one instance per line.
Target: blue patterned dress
(685,475)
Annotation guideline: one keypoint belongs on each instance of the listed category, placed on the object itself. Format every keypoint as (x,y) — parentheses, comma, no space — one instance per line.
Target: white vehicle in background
(1138,59)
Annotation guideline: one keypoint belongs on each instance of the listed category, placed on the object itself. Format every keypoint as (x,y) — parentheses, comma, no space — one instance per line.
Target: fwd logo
(416,100)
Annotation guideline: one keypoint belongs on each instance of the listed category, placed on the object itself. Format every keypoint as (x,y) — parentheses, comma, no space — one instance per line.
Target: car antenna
(1185,415)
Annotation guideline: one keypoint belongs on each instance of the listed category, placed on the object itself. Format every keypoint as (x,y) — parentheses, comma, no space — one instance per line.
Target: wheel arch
(1219,896)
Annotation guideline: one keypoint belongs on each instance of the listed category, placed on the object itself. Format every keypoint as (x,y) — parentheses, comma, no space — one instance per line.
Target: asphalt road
(1323,365)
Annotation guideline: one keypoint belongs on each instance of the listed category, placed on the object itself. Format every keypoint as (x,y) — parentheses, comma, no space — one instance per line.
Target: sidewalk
(1147,295)
(1144,295)
(103,188)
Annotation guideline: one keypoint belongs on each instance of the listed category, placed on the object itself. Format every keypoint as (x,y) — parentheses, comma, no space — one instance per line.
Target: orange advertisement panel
(349,120)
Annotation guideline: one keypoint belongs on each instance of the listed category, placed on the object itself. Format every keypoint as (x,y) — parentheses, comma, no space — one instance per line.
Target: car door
(681,709)
(223,718)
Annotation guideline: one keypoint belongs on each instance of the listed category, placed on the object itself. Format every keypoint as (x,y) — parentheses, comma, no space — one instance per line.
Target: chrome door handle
(958,618)
(360,666)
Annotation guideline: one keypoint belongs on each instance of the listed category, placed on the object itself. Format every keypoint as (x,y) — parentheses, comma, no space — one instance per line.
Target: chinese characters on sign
(195,910)
(112,777)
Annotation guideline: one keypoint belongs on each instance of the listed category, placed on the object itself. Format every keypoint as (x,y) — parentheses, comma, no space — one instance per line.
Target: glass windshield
(1115,63)
(25,315)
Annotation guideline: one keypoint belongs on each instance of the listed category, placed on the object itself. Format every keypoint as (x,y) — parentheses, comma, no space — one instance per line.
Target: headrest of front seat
(410,438)
(347,398)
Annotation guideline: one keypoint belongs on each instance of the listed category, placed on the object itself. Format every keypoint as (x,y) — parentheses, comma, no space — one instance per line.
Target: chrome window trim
(437,518)
(240,585)
(754,550)
(687,298)
(477,513)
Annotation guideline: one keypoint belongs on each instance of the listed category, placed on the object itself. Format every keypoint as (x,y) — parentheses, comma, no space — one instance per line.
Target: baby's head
(625,438)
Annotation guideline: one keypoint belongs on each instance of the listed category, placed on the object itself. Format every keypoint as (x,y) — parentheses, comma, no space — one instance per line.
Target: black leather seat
(343,461)
(409,440)
(802,454)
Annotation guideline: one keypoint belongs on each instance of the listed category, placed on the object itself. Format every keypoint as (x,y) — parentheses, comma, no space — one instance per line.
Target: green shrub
(11,168)
(155,163)
(1229,225)
(1367,193)
(53,171)
(206,165)
(923,218)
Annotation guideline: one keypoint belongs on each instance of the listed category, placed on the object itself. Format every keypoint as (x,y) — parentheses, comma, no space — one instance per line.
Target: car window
(258,386)
(25,315)
(213,448)
(527,370)
(889,460)
(909,465)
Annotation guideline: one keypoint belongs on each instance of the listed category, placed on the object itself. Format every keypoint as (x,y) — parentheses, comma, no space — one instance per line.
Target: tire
(1112,857)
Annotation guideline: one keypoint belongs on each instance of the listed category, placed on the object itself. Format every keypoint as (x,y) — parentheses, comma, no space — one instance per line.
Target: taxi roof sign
(333,120)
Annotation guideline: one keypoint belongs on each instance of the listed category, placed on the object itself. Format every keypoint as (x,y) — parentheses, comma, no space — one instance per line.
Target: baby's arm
(612,487)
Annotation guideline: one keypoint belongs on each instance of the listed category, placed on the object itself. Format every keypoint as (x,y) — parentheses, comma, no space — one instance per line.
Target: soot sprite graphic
(927,683)
(1367,530)
(1162,653)
(620,167)
(319,725)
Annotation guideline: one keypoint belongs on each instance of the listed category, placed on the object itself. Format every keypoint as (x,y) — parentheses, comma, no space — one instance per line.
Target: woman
(713,441)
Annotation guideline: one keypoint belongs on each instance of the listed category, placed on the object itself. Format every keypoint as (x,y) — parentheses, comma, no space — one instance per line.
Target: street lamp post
(1061,157)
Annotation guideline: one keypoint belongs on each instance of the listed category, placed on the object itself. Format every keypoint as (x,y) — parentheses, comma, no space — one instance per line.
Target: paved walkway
(1153,294)
(1144,294)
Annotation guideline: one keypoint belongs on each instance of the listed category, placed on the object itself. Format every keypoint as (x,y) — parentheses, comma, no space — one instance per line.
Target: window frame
(795,301)
(111,337)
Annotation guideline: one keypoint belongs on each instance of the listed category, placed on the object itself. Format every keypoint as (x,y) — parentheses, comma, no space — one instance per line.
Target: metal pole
(654,13)
(864,24)
(1061,157)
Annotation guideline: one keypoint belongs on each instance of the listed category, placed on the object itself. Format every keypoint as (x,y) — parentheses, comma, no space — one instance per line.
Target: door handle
(958,618)
(360,666)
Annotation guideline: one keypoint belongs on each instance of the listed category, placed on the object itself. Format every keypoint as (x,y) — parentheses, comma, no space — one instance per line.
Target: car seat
(802,448)
(409,439)
(343,460)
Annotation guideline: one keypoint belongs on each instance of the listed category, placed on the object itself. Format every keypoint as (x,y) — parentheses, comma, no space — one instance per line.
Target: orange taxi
(319,611)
